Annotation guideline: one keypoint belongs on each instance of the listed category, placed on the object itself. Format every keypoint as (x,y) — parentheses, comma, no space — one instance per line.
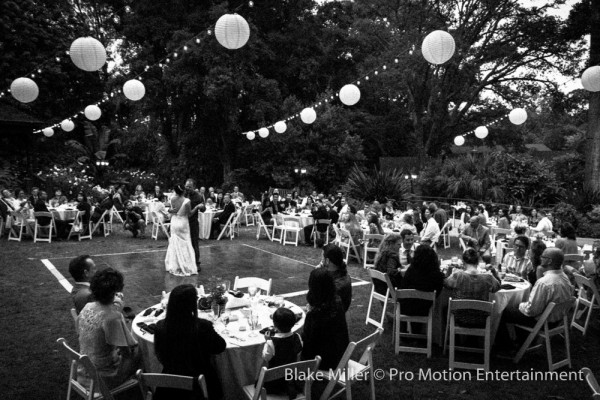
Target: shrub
(375,185)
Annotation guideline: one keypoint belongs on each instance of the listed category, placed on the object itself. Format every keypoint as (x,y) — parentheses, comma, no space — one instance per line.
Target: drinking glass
(252,290)
(225,318)
(253,321)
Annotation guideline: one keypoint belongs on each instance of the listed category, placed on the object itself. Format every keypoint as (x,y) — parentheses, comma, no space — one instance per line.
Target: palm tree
(472,177)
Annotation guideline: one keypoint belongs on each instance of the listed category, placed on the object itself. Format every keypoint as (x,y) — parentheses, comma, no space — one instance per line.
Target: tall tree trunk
(592,159)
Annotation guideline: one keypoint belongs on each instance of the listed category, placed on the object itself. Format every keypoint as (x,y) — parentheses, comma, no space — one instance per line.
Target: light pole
(412,177)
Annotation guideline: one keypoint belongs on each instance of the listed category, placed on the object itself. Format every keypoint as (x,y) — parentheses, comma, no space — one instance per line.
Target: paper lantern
(134,89)
(24,89)
(349,95)
(232,31)
(438,47)
(263,132)
(92,112)
(518,116)
(280,127)
(591,79)
(308,115)
(87,54)
(481,132)
(459,140)
(67,125)
(250,135)
(48,132)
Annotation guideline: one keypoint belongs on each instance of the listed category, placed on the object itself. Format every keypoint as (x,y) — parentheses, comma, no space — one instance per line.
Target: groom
(195,199)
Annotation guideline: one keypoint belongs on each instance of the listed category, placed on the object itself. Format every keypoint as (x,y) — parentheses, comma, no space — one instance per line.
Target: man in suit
(81,268)
(477,236)
(106,204)
(407,250)
(40,206)
(228,209)
(195,199)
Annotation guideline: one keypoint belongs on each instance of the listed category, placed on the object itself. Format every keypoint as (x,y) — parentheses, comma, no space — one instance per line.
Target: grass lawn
(35,312)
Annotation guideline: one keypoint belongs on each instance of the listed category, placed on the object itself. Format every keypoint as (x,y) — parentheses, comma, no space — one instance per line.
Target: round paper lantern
(438,47)
(232,31)
(481,132)
(280,127)
(349,95)
(67,125)
(48,132)
(308,115)
(459,140)
(134,89)
(87,54)
(518,116)
(24,89)
(250,135)
(263,132)
(92,112)
(591,79)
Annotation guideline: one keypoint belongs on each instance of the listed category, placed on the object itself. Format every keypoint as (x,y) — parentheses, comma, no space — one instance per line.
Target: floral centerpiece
(216,297)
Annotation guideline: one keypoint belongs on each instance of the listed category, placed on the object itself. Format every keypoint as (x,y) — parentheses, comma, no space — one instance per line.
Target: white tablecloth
(63,214)
(205,221)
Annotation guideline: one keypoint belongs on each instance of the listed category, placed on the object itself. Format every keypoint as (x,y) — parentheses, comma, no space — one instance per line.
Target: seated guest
(236,194)
(517,262)
(482,214)
(388,211)
(482,210)
(337,202)
(440,215)
(537,271)
(33,198)
(325,330)
(209,204)
(289,202)
(374,229)
(333,261)
(119,199)
(387,261)
(534,219)
(279,202)
(431,232)
(567,241)
(407,251)
(504,219)
(543,227)
(228,209)
(219,201)
(351,225)
(84,206)
(362,214)
(158,194)
(319,214)
(470,284)
(333,214)
(103,333)
(418,221)
(106,204)
(58,199)
(408,223)
(477,237)
(268,208)
(518,230)
(423,274)
(185,343)
(139,194)
(81,268)
(40,206)
(377,209)
(465,216)
(282,347)
(134,220)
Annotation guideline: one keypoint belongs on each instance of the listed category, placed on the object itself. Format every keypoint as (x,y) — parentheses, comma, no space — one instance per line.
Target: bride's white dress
(180,258)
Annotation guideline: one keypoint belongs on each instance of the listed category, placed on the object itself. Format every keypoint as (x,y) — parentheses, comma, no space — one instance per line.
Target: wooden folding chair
(542,329)
(19,225)
(586,288)
(149,382)
(158,225)
(301,368)
(228,228)
(389,296)
(260,225)
(278,226)
(409,319)
(316,234)
(101,221)
(262,284)
(574,260)
(291,225)
(370,250)
(97,389)
(445,233)
(349,370)
(347,243)
(115,213)
(39,229)
(592,382)
(249,215)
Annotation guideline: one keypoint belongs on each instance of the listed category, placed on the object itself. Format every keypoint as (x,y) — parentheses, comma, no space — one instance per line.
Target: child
(282,347)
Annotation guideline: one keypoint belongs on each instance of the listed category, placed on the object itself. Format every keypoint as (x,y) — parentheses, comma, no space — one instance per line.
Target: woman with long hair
(423,274)
(567,241)
(408,223)
(387,261)
(180,259)
(352,225)
(374,228)
(504,219)
(535,254)
(184,344)
(333,261)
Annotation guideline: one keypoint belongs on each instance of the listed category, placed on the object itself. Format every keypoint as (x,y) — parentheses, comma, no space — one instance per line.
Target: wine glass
(252,290)
(225,318)
(253,321)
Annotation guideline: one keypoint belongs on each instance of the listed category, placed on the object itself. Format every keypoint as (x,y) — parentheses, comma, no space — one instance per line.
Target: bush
(375,185)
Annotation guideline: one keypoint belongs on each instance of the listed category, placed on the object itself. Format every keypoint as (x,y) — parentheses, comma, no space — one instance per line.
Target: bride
(180,259)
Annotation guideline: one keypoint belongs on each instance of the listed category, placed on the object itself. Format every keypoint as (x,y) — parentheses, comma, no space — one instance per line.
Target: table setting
(64,212)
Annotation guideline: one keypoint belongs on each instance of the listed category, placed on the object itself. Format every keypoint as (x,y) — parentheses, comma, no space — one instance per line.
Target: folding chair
(338,236)
(249,215)
(574,260)
(592,382)
(316,234)
(19,224)
(85,230)
(262,284)
(453,328)
(278,226)
(260,224)
(499,231)
(349,370)
(543,330)
(158,225)
(347,243)
(301,368)
(38,228)
(370,250)
(228,227)
(97,389)
(114,212)
(75,320)
(409,319)
(445,234)
(105,228)
(149,382)
(390,295)
(291,225)
(586,288)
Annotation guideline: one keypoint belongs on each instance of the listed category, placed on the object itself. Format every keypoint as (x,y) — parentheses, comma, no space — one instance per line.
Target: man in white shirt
(431,231)
(407,250)
(545,225)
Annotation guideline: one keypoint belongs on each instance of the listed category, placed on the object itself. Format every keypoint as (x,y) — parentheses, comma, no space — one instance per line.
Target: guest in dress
(465,216)
(374,229)
(504,220)
(333,261)
(387,261)
(567,241)
(423,274)
(185,343)
(351,225)
(58,199)
(325,331)
(534,219)
(119,199)
(82,268)
(220,201)
(537,271)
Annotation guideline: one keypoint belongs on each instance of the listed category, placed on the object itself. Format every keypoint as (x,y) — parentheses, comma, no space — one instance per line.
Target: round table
(239,364)
(205,220)
(64,214)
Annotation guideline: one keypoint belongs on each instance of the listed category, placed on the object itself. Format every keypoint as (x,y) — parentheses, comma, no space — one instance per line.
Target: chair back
(48,214)
(262,284)
(575,260)
(474,305)
(592,382)
(586,285)
(278,220)
(414,294)
(301,368)
(149,382)
(17,218)
(373,236)
(563,309)
(384,278)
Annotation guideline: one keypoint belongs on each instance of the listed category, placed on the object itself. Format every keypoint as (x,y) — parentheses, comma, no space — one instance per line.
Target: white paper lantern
(591,79)
(48,132)
(349,95)
(67,125)
(308,115)
(263,132)
(250,135)
(24,89)
(88,54)
(459,140)
(232,31)
(92,112)
(134,89)
(481,132)
(438,47)
(517,116)
(280,127)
